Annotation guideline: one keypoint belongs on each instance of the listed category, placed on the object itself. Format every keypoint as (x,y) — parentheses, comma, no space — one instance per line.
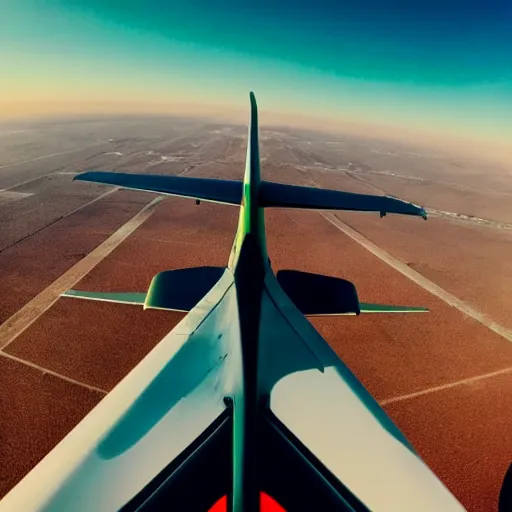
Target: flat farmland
(444,377)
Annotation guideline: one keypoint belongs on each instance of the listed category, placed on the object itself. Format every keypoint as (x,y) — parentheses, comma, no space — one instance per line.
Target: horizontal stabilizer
(133,298)
(182,289)
(381,308)
(291,196)
(203,189)
(315,294)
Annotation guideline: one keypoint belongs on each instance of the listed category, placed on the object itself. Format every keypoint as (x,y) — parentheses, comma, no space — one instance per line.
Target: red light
(267,504)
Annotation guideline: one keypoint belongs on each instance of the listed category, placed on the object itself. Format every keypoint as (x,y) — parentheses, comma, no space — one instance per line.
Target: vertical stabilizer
(251,218)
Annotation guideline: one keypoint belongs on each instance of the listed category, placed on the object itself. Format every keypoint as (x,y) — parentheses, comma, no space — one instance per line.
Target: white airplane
(243,396)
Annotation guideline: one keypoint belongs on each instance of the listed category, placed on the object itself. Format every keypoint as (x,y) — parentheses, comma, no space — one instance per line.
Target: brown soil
(464,436)
(32,264)
(461,432)
(38,410)
(469,261)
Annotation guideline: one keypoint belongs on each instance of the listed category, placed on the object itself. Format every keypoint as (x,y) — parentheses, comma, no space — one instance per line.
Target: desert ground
(444,377)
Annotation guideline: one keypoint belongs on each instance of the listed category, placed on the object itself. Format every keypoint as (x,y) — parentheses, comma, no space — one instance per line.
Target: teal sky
(442,68)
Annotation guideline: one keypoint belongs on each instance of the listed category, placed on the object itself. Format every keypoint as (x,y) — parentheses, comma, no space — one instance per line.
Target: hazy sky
(442,67)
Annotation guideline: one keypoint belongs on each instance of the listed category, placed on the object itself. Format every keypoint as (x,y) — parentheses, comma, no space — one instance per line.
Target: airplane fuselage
(246,374)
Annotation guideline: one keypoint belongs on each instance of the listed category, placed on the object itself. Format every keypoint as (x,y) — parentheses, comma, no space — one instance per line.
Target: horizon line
(235,117)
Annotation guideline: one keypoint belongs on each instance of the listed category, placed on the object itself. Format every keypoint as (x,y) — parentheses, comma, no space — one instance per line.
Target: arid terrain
(445,377)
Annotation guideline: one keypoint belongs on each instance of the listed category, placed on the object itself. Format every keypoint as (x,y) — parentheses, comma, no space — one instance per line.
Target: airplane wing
(203,189)
(292,196)
(366,308)
(173,290)
(135,298)
(271,194)
(382,308)
(319,295)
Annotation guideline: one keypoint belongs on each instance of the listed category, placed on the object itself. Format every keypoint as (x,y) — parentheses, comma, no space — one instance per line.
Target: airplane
(243,402)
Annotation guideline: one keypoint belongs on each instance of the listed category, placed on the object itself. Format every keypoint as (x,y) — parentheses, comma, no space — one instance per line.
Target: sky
(440,68)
